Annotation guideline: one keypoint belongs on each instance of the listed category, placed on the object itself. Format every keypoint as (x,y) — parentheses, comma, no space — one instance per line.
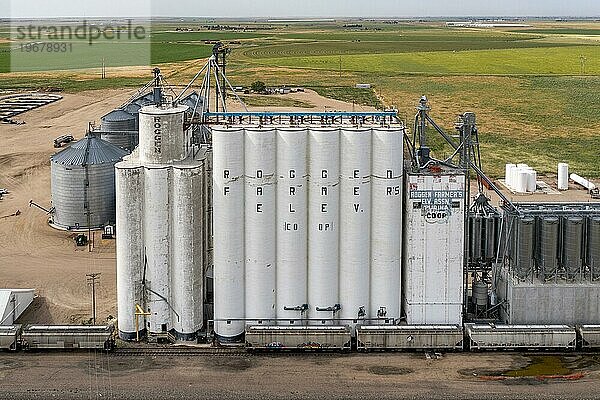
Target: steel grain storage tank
(323,221)
(475,237)
(522,246)
(228,215)
(83,184)
(572,250)
(386,223)
(260,202)
(292,245)
(118,120)
(593,248)
(548,246)
(120,127)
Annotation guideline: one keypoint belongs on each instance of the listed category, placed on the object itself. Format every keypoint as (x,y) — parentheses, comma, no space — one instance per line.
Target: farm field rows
(535,91)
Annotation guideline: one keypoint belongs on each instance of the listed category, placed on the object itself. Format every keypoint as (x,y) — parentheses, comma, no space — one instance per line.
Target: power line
(91,280)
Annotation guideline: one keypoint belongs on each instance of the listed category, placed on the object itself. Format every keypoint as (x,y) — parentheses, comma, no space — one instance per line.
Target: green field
(536,91)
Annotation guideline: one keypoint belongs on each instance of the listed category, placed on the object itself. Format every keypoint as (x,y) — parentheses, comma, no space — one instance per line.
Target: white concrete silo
(355,226)
(228,216)
(292,239)
(160,234)
(386,223)
(188,247)
(260,210)
(323,222)
(129,182)
(162,137)
(158,221)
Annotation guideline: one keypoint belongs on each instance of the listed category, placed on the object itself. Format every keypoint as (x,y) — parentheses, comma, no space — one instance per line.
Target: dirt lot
(372,376)
(31,253)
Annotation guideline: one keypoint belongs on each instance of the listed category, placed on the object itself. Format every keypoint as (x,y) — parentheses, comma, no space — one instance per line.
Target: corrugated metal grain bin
(83,184)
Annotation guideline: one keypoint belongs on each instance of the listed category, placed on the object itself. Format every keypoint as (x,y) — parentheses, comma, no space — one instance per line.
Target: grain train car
(521,337)
(331,338)
(38,337)
(9,337)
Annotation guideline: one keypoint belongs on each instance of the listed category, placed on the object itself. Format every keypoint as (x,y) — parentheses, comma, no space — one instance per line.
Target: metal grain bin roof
(117,115)
(90,150)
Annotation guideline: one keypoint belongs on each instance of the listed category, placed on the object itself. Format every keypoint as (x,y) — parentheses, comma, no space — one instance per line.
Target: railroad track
(214,352)
(181,351)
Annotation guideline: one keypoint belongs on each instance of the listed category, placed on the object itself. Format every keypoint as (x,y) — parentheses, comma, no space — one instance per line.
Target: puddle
(542,366)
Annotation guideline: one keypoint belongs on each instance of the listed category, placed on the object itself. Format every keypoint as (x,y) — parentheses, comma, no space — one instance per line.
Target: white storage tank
(83,184)
(355,223)
(323,222)
(188,249)
(563,176)
(229,236)
(386,223)
(292,219)
(434,248)
(260,157)
(158,220)
(162,137)
(130,248)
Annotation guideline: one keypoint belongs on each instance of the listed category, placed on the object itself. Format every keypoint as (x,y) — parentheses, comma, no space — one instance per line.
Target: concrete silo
(161,219)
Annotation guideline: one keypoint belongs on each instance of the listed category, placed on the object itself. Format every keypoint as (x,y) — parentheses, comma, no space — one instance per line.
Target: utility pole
(582,60)
(91,281)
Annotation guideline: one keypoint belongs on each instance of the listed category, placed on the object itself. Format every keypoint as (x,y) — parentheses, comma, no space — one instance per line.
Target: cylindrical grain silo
(130,248)
(228,216)
(523,239)
(162,138)
(292,250)
(548,246)
(355,223)
(187,249)
(572,245)
(593,246)
(157,223)
(118,120)
(323,222)
(83,184)
(475,236)
(260,203)
(386,223)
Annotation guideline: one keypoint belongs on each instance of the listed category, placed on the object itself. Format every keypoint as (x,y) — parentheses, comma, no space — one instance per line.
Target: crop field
(535,91)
